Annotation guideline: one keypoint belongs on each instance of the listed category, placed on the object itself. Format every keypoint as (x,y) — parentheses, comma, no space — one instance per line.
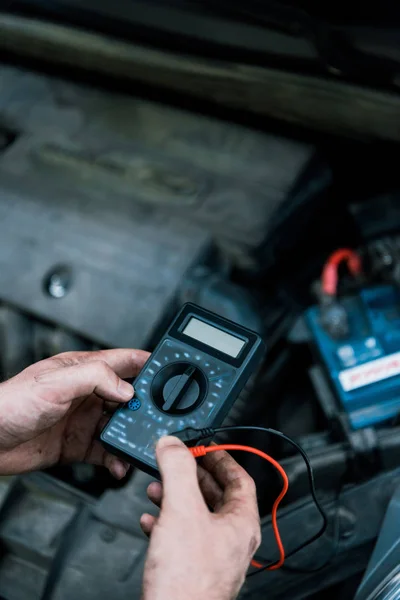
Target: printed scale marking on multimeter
(191,379)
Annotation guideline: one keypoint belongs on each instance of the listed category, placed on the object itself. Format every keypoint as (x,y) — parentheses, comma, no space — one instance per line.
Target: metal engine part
(107,200)
(384,258)
(228,178)
(381,580)
(24,340)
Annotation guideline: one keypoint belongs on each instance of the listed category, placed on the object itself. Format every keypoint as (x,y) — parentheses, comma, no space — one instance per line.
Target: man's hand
(53,411)
(195,553)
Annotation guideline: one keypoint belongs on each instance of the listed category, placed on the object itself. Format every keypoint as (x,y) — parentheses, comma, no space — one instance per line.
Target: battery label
(371,372)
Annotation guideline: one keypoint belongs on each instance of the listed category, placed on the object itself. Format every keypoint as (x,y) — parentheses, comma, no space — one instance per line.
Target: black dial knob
(179,388)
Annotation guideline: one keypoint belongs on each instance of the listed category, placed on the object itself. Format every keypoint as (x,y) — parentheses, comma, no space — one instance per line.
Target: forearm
(184,590)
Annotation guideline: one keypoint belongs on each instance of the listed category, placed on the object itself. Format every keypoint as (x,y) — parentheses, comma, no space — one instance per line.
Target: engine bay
(115,210)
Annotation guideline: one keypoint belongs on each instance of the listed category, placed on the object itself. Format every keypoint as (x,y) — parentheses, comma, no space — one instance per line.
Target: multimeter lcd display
(214,337)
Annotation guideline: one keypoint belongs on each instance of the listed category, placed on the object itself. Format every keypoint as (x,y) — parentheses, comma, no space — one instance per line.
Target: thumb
(65,384)
(178,470)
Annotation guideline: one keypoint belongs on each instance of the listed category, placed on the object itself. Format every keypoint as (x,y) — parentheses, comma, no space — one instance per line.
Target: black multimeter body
(192,378)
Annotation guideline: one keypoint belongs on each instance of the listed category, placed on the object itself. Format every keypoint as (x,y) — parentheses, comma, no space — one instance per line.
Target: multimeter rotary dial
(179,388)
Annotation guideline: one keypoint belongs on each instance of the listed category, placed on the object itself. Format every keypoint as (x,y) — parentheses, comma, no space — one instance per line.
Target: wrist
(185,591)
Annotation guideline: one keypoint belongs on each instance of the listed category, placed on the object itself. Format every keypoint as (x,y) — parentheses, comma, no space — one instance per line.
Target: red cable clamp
(330,272)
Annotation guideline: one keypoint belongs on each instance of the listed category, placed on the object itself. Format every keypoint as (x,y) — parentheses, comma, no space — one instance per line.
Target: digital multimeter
(191,379)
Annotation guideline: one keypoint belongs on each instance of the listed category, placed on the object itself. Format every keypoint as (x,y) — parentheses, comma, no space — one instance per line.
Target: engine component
(128,196)
(211,289)
(379,216)
(24,340)
(384,257)
(364,365)
(381,580)
(334,319)
(95,145)
(16,331)
(125,272)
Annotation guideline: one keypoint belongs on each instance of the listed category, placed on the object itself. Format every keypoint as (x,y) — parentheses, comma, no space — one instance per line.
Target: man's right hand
(194,553)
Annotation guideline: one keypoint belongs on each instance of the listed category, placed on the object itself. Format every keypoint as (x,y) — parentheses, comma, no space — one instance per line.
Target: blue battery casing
(364,368)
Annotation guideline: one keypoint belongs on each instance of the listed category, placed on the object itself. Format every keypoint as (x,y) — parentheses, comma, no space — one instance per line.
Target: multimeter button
(224,377)
(134,404)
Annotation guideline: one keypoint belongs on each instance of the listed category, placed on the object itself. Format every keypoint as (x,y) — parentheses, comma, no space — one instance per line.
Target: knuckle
(244,482)
(175,454)
(102,368)
(257,535)
(255,542)
(254,537)
(69,359)
(173,450)
(250,485)
(94,356)
(103,373)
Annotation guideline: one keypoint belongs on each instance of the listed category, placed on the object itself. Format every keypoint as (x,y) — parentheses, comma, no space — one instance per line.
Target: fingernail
(146,523)
(125,389)
(118,469)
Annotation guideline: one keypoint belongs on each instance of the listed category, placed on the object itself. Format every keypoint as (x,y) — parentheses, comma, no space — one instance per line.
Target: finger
(110,407)
(97,455)
(212,493)
(211,490)
(239,490)
(155,492)
(117,467)
(66,384)
(123,361)
(147,523)
(179,476)
(80,429)
(102,422)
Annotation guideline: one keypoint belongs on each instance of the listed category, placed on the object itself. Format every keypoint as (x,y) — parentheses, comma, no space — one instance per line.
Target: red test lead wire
(198,451)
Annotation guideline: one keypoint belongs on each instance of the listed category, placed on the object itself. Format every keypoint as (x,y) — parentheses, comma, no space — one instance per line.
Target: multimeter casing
(135,428)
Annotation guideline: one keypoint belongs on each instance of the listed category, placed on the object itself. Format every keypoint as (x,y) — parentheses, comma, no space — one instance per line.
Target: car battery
(363,366)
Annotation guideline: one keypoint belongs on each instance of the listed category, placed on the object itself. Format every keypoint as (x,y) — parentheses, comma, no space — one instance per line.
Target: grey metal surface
(101,146)
(35,513)
(126,195)
(16,331)
(125,271)
(382,579)
(24,340)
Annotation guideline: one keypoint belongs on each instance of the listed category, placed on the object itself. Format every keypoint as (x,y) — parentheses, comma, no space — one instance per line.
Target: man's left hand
(54,410)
